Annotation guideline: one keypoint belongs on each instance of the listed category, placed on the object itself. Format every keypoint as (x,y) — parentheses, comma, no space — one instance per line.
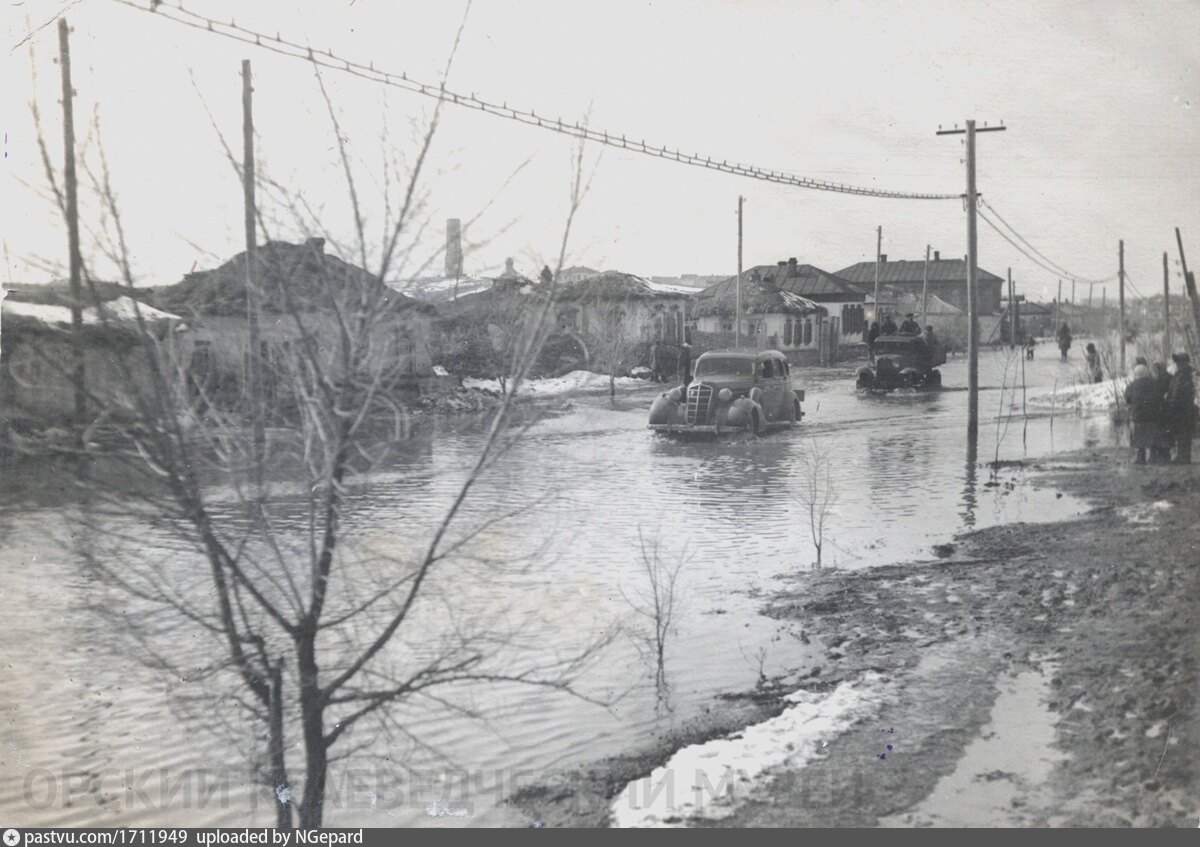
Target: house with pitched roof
(947,281)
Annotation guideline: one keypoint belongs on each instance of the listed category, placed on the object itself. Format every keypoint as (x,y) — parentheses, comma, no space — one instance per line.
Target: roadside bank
(1037,674)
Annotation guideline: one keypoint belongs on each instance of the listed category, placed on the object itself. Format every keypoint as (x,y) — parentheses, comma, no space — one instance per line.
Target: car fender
(665,410)
(740,411)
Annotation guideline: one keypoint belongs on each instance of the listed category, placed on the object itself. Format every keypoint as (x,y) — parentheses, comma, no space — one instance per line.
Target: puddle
(1001,770)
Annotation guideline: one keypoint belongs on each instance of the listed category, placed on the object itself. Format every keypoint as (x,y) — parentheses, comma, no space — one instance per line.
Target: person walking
(1181,408)
(1030,343)
(685,364)
(1064,340)
(1091,358)
(1145,401)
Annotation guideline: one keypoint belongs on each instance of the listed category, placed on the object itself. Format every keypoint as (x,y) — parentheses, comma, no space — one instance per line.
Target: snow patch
(709,780)
(1144,514)
(571,383)
(1089,397)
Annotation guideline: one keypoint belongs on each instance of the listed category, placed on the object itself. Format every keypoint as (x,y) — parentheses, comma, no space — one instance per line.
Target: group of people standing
(1162,408)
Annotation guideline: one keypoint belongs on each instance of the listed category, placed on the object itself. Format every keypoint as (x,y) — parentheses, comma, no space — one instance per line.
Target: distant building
(772,317)
(37,354)
(576,273)
(293,278)
(841,299)
(636,308)
(947,280)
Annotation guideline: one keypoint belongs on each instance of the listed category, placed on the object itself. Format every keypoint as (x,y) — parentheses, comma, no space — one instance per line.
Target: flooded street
(588,485)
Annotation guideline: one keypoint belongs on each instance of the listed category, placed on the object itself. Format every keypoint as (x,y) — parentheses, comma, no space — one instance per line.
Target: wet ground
(81,721)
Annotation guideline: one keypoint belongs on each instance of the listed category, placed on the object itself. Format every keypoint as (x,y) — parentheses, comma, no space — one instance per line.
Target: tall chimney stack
(454,254)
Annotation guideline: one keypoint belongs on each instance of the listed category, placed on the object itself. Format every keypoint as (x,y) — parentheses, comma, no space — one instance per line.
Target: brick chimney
(508,268)
(882,258)
(937,255)
(454,254)
(792,266)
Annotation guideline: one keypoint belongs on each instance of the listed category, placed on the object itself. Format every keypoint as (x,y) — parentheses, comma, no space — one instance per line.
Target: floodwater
(90,736)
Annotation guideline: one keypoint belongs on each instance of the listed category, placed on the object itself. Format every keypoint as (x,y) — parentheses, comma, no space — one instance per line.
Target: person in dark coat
(1181,408)
(685,364)
(888,327)
(656,361)
(1064,340)
(1161,452)
(1145,401)
(910,326)
(872,334)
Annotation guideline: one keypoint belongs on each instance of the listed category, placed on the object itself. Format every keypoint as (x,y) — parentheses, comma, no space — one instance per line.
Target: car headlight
(726,395)
(675,394)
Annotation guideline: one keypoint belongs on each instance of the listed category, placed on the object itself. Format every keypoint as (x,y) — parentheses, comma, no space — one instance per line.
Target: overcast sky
(1100,99)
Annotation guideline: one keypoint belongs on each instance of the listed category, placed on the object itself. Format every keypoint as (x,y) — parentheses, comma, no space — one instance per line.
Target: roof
(891,296)
(903,271)
(615,285)
(758,298)
(806,280)
(120,314)
(303,274)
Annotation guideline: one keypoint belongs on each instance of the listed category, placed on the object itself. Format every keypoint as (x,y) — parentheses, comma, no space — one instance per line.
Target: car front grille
(698,400)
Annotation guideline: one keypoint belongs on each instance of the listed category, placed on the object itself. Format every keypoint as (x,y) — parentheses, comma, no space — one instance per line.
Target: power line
(1045,265)
(1054,267)
(327,59)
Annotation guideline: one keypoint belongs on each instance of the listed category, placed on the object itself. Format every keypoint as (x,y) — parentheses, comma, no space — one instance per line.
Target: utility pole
(78,379)
(1012,313)
(1166,310)
(972,198)
(1189,282)
(737,317)
(925,288)
(878,257)
(1121,296)
(1056,301)
(1072,292)
(254,360)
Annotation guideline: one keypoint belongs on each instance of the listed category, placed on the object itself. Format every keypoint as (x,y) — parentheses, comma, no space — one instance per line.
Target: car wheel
(865,379)
(793,413)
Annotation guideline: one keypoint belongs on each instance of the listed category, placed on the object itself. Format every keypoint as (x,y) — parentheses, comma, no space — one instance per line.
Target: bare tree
(657,601)
(613,339)
(816,492)
(312,634)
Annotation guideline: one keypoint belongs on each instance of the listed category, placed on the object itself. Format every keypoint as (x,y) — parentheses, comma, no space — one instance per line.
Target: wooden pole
(1166,310)
(1012,313)
(254,360)
(878,254)
(1056,301)
(972,298)
(1189,282)
(925,289)
(75,260)
(1072,292)
(1121,296)
(737,318)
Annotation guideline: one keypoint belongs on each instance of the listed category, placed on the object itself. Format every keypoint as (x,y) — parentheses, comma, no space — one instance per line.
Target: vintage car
(731,390)
(903,361)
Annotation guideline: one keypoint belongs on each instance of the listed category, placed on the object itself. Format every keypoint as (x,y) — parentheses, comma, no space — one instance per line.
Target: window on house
(808,332)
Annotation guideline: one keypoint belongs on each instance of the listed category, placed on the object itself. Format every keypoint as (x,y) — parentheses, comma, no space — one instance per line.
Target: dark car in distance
(731,390)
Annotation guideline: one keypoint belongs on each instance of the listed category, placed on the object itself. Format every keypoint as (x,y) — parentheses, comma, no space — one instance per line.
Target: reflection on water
(581,487)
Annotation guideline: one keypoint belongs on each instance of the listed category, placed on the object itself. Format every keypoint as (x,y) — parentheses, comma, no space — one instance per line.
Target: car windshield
(725,366)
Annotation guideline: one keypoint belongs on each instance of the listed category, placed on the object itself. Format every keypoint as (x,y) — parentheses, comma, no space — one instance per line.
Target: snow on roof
(121,310)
